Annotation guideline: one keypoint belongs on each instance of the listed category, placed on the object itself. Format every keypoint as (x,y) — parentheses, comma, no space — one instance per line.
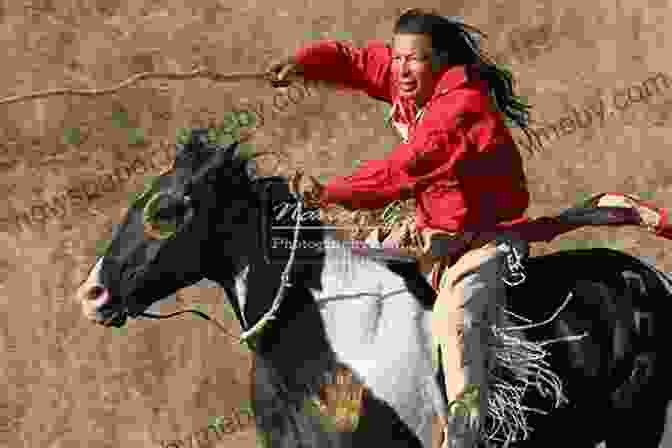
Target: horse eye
(165,214)
(172,211)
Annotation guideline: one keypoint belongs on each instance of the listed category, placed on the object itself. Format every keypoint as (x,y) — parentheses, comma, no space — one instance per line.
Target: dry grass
(68,384)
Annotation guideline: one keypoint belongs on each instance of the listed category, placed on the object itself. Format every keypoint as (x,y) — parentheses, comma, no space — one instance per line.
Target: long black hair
(456,43)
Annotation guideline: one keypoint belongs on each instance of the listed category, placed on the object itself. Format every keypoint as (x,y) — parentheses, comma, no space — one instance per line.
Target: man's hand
(281,69)
(311,195)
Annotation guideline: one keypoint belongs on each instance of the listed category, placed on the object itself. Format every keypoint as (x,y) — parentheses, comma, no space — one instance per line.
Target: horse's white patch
(241,292)
(376,326)
(208,284)
(90,307)
(94,274)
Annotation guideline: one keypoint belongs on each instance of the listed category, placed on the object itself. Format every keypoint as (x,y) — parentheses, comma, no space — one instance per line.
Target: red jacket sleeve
(366,69)
(374,185)
(457,125)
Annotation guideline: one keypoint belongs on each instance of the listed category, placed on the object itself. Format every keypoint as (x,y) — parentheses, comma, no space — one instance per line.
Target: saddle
(433,250)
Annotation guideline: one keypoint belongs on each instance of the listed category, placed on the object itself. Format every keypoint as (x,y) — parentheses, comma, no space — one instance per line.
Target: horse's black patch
(215,243)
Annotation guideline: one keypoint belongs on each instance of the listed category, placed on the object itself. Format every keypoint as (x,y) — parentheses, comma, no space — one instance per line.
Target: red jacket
(460,162)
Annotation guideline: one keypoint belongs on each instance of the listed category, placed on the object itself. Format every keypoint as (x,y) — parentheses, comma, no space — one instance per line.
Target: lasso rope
(201,72)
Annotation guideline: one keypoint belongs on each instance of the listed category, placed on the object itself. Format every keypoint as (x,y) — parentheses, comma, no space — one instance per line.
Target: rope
(201,72)
(214,321)
(270,314)
(284,284)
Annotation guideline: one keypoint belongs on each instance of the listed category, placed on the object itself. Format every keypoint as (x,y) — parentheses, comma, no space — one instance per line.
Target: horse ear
(233,151)
(251,169)
(240,153)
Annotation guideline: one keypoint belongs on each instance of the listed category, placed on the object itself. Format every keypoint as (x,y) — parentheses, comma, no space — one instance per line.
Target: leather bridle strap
(284,278)
(198,313)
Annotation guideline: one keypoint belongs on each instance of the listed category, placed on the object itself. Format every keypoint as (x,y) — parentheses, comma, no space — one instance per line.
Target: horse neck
(337,268)
(324,285)
(259,277)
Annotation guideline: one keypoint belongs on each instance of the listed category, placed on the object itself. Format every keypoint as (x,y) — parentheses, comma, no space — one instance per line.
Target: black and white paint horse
(373,316)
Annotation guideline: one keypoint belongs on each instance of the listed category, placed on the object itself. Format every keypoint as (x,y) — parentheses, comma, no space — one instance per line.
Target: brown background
(66,383)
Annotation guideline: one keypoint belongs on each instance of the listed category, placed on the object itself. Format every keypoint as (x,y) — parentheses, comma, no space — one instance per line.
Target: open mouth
(102,311)
(408,86)
(119,320)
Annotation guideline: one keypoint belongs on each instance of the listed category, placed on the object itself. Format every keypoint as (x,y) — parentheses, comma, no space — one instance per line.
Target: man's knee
(465,304)
(446,319)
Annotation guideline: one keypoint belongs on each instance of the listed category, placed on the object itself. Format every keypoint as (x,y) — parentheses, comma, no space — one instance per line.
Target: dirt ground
(68,383)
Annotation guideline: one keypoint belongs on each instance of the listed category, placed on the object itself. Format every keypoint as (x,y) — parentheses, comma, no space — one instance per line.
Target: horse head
(188,224)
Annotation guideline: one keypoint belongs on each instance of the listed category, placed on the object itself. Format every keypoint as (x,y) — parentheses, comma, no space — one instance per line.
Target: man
(460,162)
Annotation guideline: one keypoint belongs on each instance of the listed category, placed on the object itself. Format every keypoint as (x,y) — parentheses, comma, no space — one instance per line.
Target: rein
(270,315)
(284,281)
(190,310)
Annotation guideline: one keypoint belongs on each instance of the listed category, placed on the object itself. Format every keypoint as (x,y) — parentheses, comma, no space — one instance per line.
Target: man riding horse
(460,162)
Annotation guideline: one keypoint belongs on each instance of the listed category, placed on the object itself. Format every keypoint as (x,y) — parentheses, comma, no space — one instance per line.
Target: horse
(210,216)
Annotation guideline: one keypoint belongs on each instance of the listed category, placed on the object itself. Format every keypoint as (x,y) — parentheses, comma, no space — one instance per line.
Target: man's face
(412,66)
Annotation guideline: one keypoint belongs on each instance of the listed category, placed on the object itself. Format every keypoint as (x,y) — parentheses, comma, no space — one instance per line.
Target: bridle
(248,334)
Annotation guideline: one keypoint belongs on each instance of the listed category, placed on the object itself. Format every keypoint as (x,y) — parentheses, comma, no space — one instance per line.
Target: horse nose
(92,298)
(91,292)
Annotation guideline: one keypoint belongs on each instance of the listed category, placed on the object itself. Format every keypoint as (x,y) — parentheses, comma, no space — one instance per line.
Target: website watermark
(63,204)
(284,97)
(315,239)
(312,245)
(220,427)
(597,113)
(338,405)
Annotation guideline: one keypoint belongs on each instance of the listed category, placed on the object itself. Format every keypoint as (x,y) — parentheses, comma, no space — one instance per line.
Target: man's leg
(468,294)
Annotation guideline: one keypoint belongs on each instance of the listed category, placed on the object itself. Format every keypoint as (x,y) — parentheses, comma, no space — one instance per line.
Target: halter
(270,315)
